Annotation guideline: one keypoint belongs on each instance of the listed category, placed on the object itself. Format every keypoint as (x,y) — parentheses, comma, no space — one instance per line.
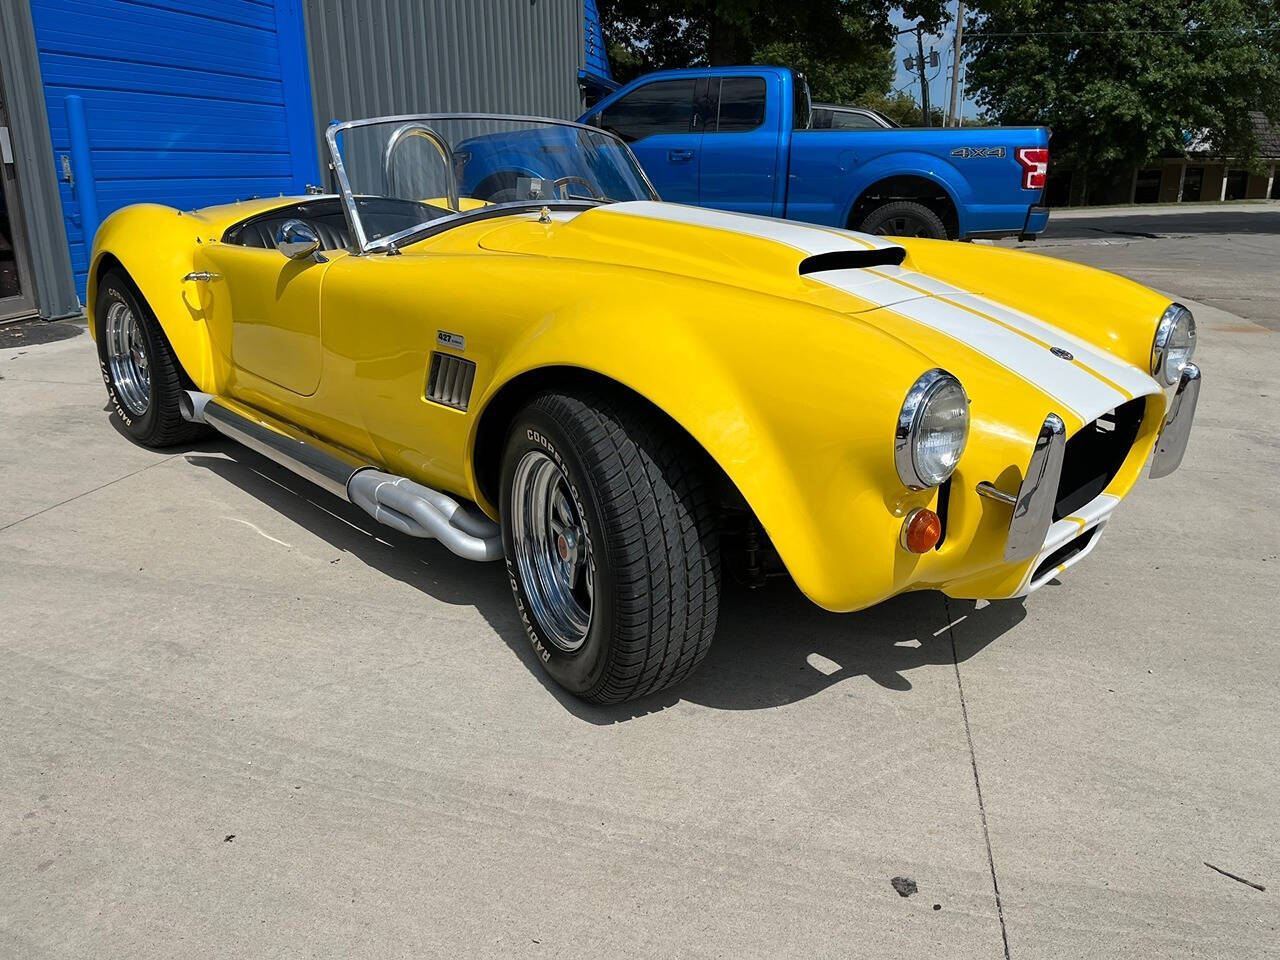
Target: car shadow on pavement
(773,646)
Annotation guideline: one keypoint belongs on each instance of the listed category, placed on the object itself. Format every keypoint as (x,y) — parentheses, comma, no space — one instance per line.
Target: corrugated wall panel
(33,153)
(186,102)
(377,57)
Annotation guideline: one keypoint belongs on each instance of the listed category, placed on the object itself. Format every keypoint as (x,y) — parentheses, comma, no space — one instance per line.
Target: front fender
(912,164)
(156,247)
(811,455)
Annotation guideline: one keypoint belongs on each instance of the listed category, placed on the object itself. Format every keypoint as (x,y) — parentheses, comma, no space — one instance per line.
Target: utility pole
(955,66)
(919,66)
(924,82)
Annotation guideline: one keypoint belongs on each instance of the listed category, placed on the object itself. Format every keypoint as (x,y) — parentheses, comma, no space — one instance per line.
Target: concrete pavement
(1225,255)
(237,718)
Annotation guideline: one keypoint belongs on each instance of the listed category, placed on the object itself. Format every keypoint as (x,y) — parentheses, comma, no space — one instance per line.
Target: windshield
(400,175)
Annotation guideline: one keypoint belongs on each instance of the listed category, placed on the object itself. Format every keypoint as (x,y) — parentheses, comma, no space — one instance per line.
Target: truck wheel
(903,218)
(142,375)
(610,545)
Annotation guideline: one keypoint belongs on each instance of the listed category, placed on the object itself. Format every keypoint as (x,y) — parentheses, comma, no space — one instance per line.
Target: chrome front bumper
(1172,443)
(1033,533)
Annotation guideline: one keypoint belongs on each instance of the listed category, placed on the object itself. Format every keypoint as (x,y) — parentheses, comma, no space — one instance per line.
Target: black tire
(651,545)
(904,218)
(160,424)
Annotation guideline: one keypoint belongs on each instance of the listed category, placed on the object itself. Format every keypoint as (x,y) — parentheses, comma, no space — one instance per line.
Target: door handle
(679,156)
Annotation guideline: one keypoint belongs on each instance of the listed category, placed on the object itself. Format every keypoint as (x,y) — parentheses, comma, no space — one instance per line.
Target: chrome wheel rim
(127,358)
(552,551)
(903,226)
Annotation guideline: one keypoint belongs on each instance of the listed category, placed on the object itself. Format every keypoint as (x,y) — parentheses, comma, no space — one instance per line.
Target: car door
(657,122)
(739,168)
(271,307)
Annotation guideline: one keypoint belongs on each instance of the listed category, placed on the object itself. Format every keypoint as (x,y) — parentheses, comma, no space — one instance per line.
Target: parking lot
(239,719)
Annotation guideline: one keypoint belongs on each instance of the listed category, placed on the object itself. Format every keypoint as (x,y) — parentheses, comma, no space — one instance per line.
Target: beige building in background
(1202,176)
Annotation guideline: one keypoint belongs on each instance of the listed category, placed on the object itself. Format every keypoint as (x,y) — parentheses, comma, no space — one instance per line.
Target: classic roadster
(620,396)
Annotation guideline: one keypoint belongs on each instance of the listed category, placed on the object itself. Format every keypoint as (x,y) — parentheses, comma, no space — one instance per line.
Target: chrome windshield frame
(391,242)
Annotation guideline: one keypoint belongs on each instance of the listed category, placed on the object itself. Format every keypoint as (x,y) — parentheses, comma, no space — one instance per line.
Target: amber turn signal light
(921,531)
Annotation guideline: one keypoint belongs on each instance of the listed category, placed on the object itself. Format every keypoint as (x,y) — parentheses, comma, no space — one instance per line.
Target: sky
(940,77)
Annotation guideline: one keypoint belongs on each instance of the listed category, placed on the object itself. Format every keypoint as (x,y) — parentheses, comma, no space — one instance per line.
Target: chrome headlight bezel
(1176,323)
(930,386)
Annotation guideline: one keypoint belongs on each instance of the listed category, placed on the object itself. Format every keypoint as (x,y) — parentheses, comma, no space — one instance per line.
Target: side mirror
(297,240)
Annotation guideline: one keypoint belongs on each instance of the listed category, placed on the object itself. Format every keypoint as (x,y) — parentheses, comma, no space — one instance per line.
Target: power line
(1112,33)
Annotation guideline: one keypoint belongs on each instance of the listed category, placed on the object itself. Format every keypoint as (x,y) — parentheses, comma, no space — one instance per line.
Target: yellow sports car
(494,334)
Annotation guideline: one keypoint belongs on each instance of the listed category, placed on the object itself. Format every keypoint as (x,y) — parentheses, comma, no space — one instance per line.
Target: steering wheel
(563,182)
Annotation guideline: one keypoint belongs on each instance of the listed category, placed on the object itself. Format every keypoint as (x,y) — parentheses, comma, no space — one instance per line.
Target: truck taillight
(1035,166)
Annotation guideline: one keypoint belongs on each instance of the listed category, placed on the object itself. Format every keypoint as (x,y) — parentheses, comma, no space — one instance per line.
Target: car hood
(841,270)
(770,256)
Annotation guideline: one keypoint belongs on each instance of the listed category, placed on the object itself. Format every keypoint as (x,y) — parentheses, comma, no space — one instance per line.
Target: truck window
(665,106)
(741,105)
(802,103)
(849,120)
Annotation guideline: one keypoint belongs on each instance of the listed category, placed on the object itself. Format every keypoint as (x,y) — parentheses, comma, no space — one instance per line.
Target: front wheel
(610,545)
(904,218)
(143,377)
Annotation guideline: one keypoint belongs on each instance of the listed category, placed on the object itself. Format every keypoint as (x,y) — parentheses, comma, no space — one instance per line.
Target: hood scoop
(852,260)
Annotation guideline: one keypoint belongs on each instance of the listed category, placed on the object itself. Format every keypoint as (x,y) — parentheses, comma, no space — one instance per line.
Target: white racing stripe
(1124,375)
(1074,387)
(1014,340)
(877,290)
(808,239)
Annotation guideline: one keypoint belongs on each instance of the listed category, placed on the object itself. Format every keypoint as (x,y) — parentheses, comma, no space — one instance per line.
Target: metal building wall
(33,155)
(182,102)
(435,56)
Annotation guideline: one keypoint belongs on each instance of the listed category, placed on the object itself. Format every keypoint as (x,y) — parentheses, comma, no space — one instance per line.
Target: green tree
(844,47)
(902,109)
(1124,82)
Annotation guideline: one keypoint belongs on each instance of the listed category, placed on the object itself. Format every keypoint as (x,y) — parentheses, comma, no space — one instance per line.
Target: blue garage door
(185,102)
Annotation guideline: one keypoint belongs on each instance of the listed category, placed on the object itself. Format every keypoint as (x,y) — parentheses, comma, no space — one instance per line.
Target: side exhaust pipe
(422,512)
(396,501)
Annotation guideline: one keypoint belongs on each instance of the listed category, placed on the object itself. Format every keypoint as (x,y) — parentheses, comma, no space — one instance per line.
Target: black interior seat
(379,216)
(262,233)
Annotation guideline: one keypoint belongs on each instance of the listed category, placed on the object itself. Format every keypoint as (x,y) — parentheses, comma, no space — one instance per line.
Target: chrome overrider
(1172,443)
(1033,505)
(393,500)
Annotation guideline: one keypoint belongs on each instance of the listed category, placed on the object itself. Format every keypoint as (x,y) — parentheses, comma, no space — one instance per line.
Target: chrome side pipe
(422,512)
(396,501)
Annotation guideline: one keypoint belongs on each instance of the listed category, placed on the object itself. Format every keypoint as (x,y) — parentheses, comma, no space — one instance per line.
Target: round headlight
(932,429)
(1174,344)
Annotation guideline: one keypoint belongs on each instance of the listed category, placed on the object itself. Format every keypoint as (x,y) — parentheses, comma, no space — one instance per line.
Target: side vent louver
(450,379)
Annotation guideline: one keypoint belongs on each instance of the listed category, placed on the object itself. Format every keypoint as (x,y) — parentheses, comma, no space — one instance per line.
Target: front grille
(1064,553)
(1094,456)
(450,379)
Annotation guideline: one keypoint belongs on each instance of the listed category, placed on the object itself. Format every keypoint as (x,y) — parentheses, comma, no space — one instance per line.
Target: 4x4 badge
(977,153)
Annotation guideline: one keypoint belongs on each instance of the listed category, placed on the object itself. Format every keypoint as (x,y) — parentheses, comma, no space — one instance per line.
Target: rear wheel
(610,545)
(143,378)
(904,218)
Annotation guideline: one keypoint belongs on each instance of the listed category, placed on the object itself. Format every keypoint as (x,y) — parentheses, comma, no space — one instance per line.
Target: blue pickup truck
(740,138)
